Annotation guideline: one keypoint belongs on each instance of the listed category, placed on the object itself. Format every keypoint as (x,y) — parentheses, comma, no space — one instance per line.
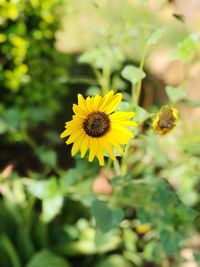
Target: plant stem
(135,99)
(139,85)
(124,160)
(105,79)
(117,167)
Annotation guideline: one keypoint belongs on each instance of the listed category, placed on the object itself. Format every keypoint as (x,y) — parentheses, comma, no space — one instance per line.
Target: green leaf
(170,241)
(50,194)
(187,48)
(47,157)
(114,261)
(51,207)
(193,103)
(175,94)
(13,118)
(141,114)
(143,216)
(44,189)
(162,196)
(47,259)
(3,127)
(133,74)
(155,36)
(102,239)
(103,57)
(106,218)
(197,256)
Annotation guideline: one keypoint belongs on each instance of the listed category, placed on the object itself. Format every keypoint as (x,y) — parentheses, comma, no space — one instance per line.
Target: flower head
(165,120)
(97,128)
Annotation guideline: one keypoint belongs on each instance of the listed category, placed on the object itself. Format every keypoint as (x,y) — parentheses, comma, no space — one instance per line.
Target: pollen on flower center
(97,124)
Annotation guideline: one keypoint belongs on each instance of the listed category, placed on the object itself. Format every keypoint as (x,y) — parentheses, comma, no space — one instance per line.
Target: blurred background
(50,50)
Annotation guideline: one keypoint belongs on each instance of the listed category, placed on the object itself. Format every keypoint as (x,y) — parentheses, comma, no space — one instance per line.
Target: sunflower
(165,120)
(97,128)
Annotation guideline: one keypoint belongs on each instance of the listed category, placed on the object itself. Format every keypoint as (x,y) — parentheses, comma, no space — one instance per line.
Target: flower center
(96,124)
(166,119)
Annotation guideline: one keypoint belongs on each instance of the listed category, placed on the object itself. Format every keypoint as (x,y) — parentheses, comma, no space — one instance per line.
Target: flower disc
(96,124)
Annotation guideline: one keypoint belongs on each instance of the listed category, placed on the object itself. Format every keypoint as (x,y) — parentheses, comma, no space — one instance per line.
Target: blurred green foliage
(32,72)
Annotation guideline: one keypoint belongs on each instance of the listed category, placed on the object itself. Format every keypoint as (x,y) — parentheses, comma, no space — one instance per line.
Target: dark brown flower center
(96,124)
(166,119)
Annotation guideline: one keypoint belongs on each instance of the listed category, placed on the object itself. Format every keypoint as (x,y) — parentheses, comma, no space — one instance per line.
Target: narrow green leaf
(10,250)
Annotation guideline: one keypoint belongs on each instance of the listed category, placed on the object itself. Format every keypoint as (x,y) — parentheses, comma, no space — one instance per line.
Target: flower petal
(93,148)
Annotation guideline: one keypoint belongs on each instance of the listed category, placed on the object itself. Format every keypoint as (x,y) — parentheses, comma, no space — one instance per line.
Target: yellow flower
(97,128)
(143,228)
(165,120)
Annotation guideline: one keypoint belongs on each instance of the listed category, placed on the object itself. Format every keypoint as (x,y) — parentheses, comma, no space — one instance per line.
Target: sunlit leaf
(47,259)
(155,36)
(51,207)
(175,94)
(186,50)
(114,261)
(133,74)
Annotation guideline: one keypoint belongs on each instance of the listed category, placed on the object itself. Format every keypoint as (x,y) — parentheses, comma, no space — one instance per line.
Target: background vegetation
(59,211)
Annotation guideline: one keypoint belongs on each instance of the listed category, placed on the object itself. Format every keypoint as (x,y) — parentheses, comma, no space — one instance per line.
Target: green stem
(133,94)
(139,85)
(135,99)
(117,167)
(105,80)
(124,160)
(109,164)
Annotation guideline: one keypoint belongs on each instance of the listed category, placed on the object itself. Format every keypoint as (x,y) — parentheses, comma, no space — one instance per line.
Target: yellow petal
(96,102)
(100,156)
(104,142)
(109,107)
(84,145)
(81,102)
(64,134)
(120,115)
(128,123)
(75,136)
(123,130)
(112,140)
(93,148)
(79,111)
(88,104)
(107,98)
(121,139)
(76,146)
